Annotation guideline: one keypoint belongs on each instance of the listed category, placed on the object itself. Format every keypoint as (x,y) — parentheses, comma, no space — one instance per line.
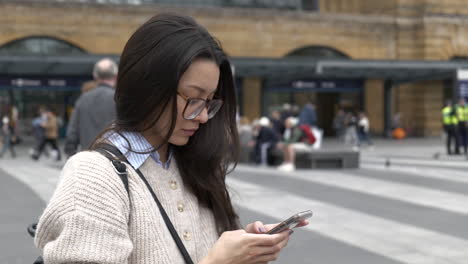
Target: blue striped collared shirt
(138,143)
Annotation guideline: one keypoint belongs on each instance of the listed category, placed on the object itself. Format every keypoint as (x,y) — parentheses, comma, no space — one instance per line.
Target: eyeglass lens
(195,107)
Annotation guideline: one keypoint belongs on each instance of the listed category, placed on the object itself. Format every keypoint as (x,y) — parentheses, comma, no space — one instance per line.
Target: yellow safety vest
(447,117)
(462,113)
(466,113)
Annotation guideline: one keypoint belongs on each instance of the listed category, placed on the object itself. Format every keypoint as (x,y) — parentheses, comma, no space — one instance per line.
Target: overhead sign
(47,83)
(321,85)
(463,88)
(462,83)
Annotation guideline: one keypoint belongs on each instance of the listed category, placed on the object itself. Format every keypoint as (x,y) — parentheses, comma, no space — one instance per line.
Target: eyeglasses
(195,106)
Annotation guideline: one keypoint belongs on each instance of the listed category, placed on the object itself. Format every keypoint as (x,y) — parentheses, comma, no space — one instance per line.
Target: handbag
(309,136)
(114,155)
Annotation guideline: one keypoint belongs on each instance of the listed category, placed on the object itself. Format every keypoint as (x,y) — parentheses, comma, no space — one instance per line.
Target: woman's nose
(203,116)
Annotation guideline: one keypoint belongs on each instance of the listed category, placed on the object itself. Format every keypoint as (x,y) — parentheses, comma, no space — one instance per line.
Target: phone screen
(291,222)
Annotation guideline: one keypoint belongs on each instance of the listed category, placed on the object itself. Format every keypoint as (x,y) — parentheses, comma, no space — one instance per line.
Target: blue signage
(41,83)
(463,88)
(320,86)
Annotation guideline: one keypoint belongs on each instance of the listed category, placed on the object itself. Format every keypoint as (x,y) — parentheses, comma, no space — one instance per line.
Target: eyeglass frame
(207,104)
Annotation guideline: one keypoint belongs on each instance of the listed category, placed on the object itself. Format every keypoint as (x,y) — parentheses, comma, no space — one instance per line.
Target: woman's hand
(256,228)
(240,247)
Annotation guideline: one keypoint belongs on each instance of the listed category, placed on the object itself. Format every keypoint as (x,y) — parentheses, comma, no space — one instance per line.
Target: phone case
(291,222)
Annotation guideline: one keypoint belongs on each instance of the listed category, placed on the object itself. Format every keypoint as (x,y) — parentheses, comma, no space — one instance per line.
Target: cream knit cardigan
(90,219)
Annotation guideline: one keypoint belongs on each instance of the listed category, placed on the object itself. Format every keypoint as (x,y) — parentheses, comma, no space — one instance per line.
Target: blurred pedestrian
(308,116)
(450,122)
(8,142)
(462,115)
(14,122)
(276,123)
(245,131)
(308,123)
(396,121)
(351,137)
(50,126)
(94,109)
(339,124)
(246,140)
(39,132)
(364,130)
(286,112)
(176,128)
(293,140)
(265,141)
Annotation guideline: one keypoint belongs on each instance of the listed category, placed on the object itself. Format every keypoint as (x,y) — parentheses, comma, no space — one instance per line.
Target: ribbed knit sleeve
(86,220)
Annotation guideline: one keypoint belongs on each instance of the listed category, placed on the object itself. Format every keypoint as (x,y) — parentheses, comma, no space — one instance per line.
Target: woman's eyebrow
(199,89)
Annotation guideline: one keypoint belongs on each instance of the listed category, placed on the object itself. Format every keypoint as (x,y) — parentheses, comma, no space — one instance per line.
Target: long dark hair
(151,65)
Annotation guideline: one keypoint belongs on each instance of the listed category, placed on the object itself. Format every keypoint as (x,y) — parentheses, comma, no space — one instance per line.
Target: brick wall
(420,105)
(263,33)
(362,29)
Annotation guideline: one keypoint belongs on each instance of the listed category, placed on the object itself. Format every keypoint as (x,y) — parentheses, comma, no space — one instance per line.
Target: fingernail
(261,229)
(291,231)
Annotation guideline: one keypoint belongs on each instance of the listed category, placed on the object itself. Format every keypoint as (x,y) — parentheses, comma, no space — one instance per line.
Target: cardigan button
(187,236)
(180,207)
(173,185)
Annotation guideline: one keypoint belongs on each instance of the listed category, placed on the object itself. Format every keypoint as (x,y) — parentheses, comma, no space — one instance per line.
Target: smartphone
(291,222)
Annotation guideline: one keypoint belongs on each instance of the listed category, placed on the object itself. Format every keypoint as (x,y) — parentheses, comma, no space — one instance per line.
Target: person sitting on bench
(294,139)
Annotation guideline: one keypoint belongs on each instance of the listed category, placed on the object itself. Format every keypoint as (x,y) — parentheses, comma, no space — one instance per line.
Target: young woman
(175,123)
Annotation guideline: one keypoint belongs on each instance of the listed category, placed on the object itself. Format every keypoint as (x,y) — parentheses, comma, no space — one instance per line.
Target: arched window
(319,52)
(39,46)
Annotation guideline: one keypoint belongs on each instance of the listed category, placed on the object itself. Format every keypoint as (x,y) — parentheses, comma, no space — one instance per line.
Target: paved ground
(413,211)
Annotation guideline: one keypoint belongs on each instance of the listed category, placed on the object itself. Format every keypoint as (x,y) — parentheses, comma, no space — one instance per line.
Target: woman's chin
(179,141)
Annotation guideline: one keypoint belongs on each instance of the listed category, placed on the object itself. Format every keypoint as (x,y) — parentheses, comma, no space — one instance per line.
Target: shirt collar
(104,85)
(138,143)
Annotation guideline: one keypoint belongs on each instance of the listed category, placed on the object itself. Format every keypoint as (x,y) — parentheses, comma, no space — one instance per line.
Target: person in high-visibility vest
(462,115)
(450,121)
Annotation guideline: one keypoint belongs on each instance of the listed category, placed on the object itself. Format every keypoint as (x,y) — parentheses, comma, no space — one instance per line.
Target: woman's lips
(189,132)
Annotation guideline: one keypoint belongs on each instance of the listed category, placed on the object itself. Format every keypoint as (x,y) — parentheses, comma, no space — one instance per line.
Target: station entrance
(40,70)
(328,96)
(27,94)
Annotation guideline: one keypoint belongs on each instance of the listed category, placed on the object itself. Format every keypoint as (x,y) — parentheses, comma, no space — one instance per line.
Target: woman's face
(199,81)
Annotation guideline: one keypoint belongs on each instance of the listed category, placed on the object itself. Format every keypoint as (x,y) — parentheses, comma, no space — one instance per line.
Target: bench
(323,158)
(312,159)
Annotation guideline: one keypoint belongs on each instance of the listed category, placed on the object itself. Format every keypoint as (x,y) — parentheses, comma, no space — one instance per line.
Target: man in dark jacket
(94,110)
(265,141)
(308,116)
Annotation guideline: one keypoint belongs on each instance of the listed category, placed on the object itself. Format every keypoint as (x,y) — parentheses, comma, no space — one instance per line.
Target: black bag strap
(123,174)
(171,228)
(113,154)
